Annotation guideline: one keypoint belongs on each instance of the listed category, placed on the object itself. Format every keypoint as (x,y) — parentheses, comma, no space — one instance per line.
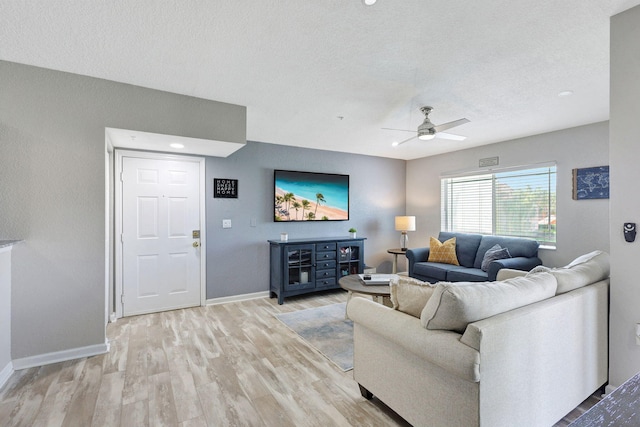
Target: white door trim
(119,154)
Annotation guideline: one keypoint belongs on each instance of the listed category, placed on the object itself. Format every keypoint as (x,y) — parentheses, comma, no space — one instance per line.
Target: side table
(396,252)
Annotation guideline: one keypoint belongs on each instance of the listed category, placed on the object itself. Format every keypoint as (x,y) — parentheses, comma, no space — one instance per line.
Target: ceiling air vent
(489,161)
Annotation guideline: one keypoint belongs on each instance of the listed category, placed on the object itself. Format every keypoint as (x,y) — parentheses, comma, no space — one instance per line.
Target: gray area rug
(325,329)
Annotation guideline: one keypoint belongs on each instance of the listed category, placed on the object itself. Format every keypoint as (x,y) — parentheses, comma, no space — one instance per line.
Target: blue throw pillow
(496,252)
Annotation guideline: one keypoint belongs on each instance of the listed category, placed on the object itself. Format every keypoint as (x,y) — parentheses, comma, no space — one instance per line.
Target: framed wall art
(591,183)
(310,196)
(225,188)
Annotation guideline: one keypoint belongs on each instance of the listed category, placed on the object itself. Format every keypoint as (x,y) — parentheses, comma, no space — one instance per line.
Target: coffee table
(352,283)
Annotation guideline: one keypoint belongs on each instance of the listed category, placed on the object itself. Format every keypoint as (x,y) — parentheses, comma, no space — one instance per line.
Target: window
(519,203)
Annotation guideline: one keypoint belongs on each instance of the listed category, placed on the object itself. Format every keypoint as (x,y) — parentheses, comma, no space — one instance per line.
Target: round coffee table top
(353,283)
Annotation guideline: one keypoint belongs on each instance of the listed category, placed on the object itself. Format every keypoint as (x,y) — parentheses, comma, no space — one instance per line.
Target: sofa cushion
(518,247)
(443,252)
(435,270)
(496,252)
(582,271)
(454,305)
(466,246)
(467,275)
(410,295)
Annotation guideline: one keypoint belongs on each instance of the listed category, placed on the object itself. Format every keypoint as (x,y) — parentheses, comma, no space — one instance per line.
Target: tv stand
(301,266)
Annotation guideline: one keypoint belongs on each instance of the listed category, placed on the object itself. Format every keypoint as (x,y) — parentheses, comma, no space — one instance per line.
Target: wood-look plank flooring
(225,365)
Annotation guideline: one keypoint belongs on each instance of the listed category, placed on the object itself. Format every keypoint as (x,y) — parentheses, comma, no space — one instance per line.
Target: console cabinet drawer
(325,255)
(325,247)
(322,274)
(321,283)
(326,265)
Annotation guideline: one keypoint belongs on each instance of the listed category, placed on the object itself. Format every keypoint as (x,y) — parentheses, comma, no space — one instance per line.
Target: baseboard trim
(236,298)
(609,388)
(5,374)
(60,356)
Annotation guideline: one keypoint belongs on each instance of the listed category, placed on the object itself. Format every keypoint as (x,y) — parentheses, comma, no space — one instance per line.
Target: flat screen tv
(310,196)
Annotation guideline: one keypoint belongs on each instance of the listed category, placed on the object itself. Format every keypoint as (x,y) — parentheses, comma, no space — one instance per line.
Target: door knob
(196,244)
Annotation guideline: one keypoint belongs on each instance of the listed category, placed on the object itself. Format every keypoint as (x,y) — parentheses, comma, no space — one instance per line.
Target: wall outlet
(226,223)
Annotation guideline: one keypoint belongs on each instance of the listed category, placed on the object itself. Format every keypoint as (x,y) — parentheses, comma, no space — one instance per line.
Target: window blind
(519,203)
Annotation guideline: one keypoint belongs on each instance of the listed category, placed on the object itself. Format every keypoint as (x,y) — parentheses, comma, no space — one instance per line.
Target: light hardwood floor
(232,364)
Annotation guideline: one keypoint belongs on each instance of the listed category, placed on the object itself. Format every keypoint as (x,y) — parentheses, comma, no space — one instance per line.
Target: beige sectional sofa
(523,351)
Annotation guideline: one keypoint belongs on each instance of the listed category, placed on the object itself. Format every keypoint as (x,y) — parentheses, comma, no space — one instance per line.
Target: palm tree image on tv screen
(310,196)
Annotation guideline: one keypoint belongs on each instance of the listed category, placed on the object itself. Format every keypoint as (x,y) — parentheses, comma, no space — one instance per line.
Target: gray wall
(583,226)
(5,309)
(624,152)
(238,258)
(52,193)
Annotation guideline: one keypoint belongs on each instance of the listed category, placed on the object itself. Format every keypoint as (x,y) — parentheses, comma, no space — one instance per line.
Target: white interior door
(161,256)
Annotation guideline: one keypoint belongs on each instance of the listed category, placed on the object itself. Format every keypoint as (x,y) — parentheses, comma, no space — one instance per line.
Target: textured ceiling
(330,74)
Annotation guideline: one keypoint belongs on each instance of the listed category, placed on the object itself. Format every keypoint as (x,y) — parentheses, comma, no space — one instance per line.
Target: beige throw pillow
(582,271)
(410,295)
(584,258)
(453,306)
(444,252)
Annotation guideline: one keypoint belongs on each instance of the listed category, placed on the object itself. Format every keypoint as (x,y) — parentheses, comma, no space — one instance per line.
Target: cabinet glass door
(349,258)
(300,268)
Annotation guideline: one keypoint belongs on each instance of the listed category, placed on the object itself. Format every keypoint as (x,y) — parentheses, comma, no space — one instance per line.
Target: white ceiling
(330,74)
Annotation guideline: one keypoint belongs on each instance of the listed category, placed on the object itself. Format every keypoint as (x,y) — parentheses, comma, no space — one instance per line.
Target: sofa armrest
(441,348)
(416,255)
(517,263)
(560,341)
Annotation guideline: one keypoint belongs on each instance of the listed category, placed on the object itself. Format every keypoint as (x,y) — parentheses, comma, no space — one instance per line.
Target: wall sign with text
(225,188)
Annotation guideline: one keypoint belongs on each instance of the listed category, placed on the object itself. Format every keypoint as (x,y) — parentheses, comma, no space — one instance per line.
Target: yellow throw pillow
(443,252)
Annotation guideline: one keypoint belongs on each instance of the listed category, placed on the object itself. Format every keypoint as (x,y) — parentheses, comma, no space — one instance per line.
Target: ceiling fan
(428,130)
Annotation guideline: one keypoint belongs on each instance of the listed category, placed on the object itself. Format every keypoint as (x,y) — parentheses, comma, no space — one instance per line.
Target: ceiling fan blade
(444,135)
(406,140)
(402,130)
(450,125)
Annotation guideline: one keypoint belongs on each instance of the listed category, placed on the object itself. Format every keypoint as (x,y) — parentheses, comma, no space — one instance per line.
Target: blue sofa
(470,250)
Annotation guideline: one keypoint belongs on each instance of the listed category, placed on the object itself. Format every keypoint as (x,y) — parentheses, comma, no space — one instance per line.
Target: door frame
(119,155)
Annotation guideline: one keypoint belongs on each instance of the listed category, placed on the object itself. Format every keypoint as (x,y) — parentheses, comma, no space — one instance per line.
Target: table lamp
(404,224)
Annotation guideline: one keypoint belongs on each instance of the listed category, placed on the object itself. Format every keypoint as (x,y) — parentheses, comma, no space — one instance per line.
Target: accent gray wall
(583,226)
(624,151)
(238,258)
(52,194)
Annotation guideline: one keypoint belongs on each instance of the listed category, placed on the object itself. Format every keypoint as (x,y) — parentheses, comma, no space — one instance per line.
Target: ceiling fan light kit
(425,136)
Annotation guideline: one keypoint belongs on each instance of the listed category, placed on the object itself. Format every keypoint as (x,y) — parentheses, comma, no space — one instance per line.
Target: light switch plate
(226,223)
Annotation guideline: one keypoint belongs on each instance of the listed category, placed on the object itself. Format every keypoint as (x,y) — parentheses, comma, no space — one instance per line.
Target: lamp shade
(406,223)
